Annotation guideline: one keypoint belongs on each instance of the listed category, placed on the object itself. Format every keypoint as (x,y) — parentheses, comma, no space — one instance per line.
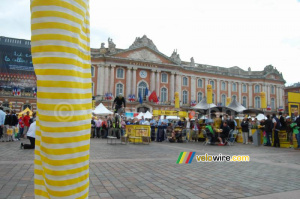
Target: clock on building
(143,74)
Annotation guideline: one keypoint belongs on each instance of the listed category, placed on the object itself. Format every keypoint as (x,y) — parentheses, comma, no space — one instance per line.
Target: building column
(218,91)
(112,79)
(152,80)
(281,103)
(269,94)
(157,84)
(205,87)
(133,81)
(171,88)
(250,96)
(100,80)
(240,93)
(193,88)
(106,79)
(229,88)
(128,82)
(277,96)
(178,85)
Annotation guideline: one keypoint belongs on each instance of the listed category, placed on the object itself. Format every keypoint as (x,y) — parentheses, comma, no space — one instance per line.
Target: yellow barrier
(137,131)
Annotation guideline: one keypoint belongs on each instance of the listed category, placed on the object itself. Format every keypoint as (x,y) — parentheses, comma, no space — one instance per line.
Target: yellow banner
(294,97)
(263,100)
(209,94)
(172,113)
(177,100)
(228,100)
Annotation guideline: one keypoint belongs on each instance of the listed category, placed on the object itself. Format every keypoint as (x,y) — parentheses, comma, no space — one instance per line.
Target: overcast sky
(244,33)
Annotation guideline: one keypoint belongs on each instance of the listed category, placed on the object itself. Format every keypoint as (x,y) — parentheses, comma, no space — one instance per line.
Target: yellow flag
(209,94)
(177,105)
(228,100)
(263,100)
(60,47)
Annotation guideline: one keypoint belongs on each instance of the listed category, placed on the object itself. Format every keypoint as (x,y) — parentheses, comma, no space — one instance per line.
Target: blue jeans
(268,135)
(298,139)
(20,134)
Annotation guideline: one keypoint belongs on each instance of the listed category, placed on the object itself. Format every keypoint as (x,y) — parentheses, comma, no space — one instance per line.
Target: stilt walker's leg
(61,58)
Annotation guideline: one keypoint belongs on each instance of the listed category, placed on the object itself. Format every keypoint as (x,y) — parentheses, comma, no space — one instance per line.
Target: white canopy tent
(148,115)
(236,106)
(140,115)
(102,110)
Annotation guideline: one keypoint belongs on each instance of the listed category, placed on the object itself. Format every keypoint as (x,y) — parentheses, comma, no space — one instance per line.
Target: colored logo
(185,158)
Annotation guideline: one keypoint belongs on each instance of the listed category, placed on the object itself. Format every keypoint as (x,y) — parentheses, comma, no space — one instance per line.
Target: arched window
(212,83)
(164,78)
(141,89)
(256,89)
(200,83)
(257,102)
(272,90)
(119,89)
(244,88)
(223,86)
(244,101)
(223,100)
(184,97)
(233,97)
(213,98)
(234,89)
(184,81)
(200,96)
(163,95)
(273,103)
(120,73)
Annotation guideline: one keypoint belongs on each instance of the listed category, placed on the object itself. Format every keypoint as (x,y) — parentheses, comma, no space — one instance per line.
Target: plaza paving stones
(150,171)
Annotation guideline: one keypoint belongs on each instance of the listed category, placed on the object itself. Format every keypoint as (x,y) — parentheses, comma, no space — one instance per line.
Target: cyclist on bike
(119,101)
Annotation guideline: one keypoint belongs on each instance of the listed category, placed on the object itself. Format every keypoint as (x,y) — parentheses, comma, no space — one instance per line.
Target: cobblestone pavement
(150,171)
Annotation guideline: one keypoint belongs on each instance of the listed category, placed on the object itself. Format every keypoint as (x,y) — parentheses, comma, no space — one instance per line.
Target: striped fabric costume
(61,58)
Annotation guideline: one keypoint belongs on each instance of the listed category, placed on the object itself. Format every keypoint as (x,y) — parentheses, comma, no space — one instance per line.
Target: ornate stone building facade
(130,71)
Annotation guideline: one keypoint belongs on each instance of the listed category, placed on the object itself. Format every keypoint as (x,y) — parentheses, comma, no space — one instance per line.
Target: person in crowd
(2,120)
(276,129)
(245,130)
(181,122)
(162,126)
(289,131)
(153,124)
(21,127)
(297,120)
(14,125)
(119,101)
(224,134)
(142,121)
(169,132)
(104,129)
(26,123)
(187,129)
(93,127)
(282,121)
(250,125)
(268,128)
(195,130)
(210,131)
(231,123)
(31,137)
(98,124)
(31,120)
(217,122)
(7,122)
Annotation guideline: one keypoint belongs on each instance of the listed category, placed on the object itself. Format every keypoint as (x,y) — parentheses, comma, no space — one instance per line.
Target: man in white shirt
(30,136)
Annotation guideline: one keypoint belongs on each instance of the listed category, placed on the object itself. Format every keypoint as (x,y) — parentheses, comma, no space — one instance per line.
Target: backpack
(278,123)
